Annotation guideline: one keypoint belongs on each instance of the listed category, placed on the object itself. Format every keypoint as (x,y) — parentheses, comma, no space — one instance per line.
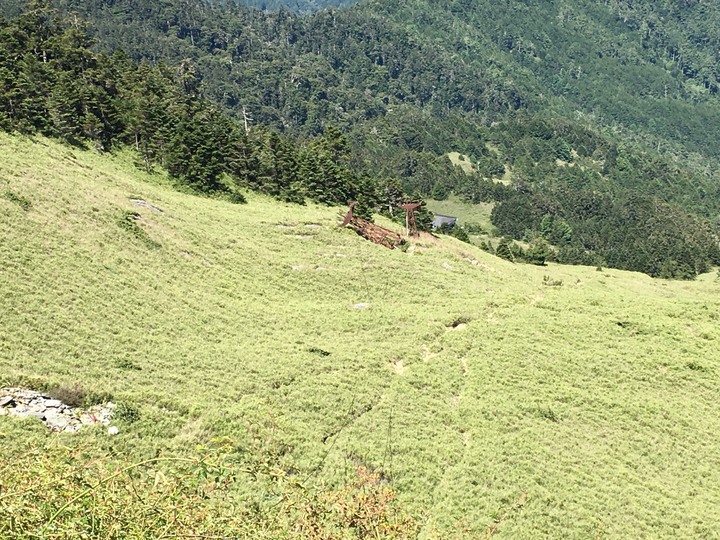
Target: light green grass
(462,161)
(464,211)
(596,400)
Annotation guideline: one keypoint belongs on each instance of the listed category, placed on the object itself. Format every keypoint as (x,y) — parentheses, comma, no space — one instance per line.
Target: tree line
(53,82)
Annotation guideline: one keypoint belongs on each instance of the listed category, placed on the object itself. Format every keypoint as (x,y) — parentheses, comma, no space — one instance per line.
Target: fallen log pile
(374,233)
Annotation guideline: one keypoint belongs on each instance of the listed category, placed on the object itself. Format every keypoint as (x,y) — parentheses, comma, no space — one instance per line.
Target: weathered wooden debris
(410,225)
(375,233)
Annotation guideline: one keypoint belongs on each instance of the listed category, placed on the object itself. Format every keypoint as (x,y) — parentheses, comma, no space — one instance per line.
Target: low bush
(75,395)
(72,395)
(20,200)
(126,413)
(127,221)
(550,282)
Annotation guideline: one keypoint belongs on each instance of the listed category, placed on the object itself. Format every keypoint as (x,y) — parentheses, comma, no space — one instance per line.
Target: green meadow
(495,399)
(467,213)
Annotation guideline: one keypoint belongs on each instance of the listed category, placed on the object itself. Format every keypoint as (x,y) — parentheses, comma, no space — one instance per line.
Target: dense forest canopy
(51,82)
(590,125)
(298,6)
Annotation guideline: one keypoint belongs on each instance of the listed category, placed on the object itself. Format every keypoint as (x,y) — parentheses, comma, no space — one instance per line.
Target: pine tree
(503,250)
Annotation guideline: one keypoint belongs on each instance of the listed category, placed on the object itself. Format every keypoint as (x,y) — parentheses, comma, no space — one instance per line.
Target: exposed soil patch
(428,354)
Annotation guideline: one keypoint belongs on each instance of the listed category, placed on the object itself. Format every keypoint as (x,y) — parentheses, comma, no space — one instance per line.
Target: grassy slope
(610,429)
(465,212)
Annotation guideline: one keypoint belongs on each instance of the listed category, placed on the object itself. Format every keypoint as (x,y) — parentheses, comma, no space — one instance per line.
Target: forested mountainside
(650,66)
(298,6)
(598,118)
(52,83)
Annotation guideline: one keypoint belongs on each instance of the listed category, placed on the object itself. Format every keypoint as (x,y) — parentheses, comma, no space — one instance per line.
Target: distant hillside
(648,66)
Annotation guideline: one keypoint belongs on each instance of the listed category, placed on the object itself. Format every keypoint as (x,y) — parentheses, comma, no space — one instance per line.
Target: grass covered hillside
(471,396)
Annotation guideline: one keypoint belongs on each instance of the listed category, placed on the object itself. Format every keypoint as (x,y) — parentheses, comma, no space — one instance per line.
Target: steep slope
(526,401)
(646,66)
(409,90)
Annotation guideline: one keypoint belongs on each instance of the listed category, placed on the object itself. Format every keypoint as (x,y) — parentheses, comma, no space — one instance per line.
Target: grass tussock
(23,202)
(128,221)
(76,395)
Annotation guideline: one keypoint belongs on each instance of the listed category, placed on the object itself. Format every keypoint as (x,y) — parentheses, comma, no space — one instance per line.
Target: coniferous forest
(591,126)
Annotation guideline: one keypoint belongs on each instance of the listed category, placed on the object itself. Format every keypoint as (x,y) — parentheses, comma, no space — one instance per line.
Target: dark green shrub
(460,233)
(462,319)
(127,413)
(127,221)
(21,201)
(126,363)
(694,366)
(473,228)
(548,414)
(549,282)
(538,252)
(503,250)
(236,197)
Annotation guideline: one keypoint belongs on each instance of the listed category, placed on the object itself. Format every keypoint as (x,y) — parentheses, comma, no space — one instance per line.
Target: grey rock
(56,415)
(19,410)
(145,204)
(57,423)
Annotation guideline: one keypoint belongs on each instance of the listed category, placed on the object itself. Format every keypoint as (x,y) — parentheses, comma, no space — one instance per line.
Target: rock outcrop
(55,414)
